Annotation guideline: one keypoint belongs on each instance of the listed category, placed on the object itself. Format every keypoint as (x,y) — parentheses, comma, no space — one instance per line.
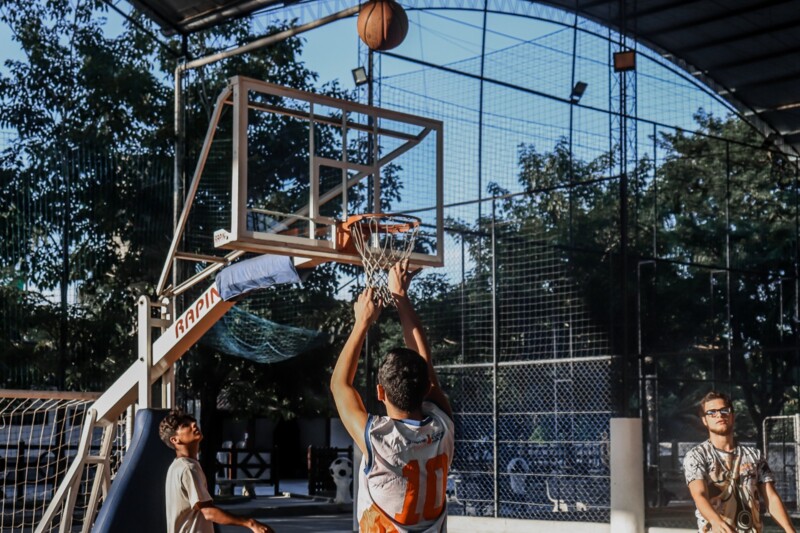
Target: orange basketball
(382,24)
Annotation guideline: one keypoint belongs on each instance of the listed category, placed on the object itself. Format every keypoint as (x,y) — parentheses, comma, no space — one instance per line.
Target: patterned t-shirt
(732,481)
(403,475)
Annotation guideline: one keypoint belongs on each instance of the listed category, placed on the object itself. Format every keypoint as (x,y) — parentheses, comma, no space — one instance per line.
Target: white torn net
(382,241)
(244,334)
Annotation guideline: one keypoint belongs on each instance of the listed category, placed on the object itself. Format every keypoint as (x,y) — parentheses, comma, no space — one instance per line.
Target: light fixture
(577,91)
(360,76)
(624,61)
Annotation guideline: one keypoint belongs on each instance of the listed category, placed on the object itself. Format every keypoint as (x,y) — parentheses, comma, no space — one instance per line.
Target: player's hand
(258,527)
(365,308)
(400,277)
(721,527)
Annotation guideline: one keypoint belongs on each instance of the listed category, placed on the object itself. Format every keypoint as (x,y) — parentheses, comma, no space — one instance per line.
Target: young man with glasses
(726,478)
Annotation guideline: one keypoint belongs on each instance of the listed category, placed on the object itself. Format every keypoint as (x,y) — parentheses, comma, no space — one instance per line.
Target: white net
(39,436)
(382,240)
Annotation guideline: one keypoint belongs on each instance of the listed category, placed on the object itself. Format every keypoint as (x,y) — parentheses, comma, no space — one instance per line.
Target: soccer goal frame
(40,435)
(788,445)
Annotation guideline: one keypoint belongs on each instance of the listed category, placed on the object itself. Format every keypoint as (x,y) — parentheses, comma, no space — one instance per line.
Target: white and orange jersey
(403,475)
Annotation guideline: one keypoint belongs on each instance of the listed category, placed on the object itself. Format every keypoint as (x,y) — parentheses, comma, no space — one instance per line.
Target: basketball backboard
(281,169)
(356,159)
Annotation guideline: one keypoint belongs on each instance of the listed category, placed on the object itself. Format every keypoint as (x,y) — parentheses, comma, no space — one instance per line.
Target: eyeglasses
(714,413)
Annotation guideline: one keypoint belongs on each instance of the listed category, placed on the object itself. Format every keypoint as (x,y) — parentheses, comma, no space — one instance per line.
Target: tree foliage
(727,215)
(82,107)
(87,180)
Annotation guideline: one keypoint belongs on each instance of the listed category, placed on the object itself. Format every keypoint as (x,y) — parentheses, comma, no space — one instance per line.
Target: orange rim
(344,239)
(401,227)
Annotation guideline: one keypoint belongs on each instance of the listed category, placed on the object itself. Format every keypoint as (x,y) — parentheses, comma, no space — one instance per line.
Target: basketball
(382,24)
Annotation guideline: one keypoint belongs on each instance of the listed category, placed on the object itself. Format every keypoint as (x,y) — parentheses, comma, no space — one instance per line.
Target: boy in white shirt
(190,508)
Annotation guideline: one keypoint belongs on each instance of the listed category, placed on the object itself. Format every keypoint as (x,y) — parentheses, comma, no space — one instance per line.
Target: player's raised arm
(400,277)
(348,402)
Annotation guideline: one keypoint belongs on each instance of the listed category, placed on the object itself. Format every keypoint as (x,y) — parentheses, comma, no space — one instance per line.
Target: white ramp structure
(155,362)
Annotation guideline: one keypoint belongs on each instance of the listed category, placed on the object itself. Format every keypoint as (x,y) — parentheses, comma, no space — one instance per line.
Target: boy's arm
(775,506)
(697,488)
(413,333)
(224,518)
(348,402)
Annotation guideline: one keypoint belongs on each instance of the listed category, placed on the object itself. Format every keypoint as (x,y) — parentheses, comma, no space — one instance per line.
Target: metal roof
(747,51)
(188,16)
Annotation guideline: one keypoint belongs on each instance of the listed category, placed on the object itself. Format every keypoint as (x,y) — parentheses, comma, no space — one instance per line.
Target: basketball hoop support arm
(176,339)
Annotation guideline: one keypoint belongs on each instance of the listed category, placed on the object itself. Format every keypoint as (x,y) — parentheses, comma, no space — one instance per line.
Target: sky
(440,37)
(330,62)
(436,36)
(9,48)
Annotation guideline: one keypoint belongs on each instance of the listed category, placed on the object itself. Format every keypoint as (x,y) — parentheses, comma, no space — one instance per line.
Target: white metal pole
(627,479)
(796,462)
(145,336)
(130,414)
(357,455)
(168,380)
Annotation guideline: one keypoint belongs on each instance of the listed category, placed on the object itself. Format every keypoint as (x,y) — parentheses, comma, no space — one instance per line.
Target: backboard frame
(237,239)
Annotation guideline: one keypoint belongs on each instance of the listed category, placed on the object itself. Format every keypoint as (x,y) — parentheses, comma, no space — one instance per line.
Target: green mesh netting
(243,334)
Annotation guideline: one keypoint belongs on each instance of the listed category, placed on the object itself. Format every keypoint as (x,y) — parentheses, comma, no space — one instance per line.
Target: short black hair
(714,395)
(170,424)
(404,376)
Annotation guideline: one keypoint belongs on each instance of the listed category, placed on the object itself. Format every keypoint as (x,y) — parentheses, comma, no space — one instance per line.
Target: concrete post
(627,476)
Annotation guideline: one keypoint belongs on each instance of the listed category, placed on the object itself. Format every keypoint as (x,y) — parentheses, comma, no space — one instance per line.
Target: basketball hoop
(381,240)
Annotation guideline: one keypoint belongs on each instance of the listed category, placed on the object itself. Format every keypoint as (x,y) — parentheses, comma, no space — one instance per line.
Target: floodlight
(624,61)
(577,92)
(360,76)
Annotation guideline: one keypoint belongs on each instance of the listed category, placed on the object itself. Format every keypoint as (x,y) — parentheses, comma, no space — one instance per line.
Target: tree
(82,106)
(714,186)
(724,200)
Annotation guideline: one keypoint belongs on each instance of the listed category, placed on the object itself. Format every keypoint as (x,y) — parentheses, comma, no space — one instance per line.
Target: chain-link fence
(782,444)
(531,377)
(672,224)
(531,442)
